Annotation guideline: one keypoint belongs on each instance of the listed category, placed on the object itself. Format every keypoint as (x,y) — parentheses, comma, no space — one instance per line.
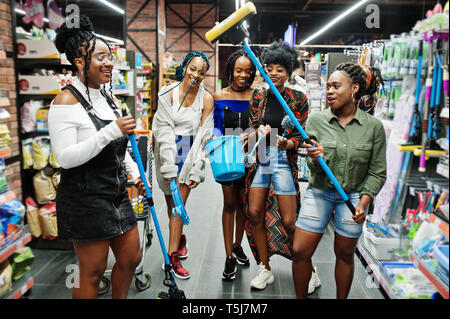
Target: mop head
(287,124)
(250,158)
(179,209)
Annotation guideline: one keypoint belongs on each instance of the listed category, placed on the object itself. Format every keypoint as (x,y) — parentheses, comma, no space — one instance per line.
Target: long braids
(231,62)
(369,80)
(87,65)
(75,43)
(180,73)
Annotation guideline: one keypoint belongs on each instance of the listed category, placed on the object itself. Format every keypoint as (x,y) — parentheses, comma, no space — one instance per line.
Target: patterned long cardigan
(277,240)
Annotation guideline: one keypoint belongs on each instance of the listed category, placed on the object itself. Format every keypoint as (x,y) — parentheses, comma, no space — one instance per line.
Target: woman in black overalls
(93,208)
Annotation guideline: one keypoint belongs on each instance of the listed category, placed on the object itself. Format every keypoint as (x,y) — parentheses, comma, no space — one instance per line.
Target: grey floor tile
(206,260)
(42,257)
(50,291)
(55,272)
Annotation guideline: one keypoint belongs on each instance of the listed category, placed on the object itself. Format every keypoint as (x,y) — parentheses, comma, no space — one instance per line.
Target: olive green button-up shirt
(356,153)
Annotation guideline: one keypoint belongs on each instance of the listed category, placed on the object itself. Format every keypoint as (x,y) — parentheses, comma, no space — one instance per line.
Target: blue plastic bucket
(225,156)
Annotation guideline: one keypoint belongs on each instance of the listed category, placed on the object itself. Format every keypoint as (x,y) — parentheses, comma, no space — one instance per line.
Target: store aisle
(205,262)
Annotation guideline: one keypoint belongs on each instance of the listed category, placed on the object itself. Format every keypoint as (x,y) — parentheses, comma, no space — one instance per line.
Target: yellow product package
(41,151)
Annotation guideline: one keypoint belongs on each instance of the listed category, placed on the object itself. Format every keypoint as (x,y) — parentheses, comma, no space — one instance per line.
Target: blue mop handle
(300,129)
(148,194)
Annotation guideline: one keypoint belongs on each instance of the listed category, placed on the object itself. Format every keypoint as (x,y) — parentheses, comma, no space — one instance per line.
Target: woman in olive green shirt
(353,144)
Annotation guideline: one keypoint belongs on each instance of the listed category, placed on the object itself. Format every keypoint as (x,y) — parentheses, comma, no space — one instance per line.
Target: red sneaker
(182,248)
(177,268)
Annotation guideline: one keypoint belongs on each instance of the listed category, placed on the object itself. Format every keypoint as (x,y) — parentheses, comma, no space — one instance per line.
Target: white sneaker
(263,277)
(314,282)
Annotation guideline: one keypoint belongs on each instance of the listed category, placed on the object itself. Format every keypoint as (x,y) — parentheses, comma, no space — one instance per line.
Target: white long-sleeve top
(73,136)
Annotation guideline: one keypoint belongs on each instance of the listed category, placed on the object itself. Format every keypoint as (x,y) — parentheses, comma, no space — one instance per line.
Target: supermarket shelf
(2,55)
(442,170)
(26,63)
(375,266)
(7,196)
(23,238)
(435,280)
(4,101)
(442,224)
(122,68)
(21,286)
(125,92)
(444,112)
(5,152)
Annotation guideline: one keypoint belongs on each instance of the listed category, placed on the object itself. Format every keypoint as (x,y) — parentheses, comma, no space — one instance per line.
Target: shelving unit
(16,241)
(374,265)
(21,287)
(424,267)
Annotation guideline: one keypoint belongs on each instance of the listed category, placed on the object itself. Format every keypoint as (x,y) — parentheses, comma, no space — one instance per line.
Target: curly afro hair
(281,53)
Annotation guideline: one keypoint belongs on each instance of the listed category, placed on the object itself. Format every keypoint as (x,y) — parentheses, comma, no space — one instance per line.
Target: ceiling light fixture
(334,21)
(112,6)
(117,41)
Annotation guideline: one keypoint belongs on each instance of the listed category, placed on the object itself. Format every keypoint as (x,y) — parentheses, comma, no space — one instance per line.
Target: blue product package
(13,207)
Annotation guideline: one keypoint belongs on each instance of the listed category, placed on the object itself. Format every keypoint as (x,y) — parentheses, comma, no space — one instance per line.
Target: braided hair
(75,43)
(229,67)
(280,53)
(369,80)
(179,71)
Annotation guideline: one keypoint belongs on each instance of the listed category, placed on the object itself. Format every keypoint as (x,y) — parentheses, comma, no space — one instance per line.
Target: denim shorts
(275,166)
(184,144)
(317,207)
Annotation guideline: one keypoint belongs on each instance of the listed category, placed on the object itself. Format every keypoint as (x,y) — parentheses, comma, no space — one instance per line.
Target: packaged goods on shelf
(32,213)
(47,220)
(22,259)
(407,282)
(12,215)
(45,186)
(381,241)
(36,49)
(5,138)
(41,151)
(5,278)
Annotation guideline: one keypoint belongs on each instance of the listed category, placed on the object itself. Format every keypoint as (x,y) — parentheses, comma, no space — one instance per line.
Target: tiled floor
(205,261)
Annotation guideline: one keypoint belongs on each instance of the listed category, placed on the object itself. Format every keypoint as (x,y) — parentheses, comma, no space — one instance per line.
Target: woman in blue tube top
(231,117)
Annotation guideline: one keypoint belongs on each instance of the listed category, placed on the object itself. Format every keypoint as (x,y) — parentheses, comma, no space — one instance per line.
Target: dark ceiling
(274,16)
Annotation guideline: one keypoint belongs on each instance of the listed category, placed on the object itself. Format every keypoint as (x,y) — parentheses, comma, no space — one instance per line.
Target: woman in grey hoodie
(183,120)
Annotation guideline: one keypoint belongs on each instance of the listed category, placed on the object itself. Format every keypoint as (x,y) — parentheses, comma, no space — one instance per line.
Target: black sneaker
(229,272)
(241,258)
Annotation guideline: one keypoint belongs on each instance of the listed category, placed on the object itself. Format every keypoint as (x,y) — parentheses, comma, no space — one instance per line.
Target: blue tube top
(230,114)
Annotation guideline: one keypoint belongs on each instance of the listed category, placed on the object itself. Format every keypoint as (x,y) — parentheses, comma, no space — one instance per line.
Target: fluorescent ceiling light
(112,6)
(334,21)
(120,42)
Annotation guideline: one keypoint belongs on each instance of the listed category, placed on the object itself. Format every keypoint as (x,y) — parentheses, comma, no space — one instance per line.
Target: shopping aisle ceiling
(274,16)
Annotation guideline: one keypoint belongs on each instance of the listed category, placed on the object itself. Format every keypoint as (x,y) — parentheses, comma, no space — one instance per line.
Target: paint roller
(230,24)
(233,28)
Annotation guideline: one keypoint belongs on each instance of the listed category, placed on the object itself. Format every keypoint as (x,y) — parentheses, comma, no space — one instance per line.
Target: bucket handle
(223,142)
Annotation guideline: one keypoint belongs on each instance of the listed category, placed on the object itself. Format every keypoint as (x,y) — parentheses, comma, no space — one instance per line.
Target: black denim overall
(92,202)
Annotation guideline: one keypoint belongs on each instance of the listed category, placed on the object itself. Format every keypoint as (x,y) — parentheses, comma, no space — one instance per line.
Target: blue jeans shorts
(184,144)
(317,207)
(275,166)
